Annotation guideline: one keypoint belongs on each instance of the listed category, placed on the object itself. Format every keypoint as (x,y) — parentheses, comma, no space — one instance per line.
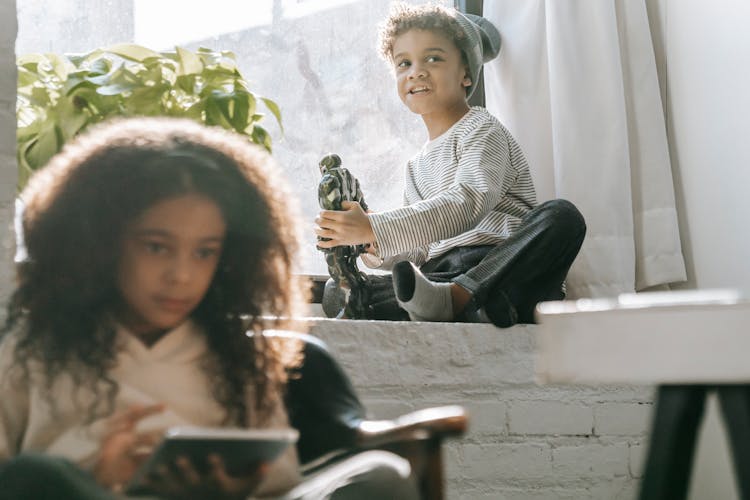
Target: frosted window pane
(315,58)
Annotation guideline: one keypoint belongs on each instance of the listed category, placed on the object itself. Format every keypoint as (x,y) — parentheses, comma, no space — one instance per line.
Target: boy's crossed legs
(497,283)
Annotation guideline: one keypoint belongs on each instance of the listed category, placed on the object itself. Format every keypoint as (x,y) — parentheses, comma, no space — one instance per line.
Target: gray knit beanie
(483,44)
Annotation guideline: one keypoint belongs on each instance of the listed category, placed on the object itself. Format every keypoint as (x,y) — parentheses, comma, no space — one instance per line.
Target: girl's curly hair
(75,211)
(429,17)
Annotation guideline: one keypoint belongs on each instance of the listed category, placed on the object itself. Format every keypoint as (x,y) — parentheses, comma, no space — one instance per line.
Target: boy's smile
(431,78)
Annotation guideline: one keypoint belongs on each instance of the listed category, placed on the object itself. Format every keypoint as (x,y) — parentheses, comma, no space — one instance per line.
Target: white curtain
(576,84)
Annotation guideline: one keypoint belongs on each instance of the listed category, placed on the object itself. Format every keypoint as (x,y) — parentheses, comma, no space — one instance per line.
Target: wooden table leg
(735,405)
(678,412)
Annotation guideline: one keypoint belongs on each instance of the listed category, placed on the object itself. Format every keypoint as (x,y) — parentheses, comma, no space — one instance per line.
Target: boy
(470,244)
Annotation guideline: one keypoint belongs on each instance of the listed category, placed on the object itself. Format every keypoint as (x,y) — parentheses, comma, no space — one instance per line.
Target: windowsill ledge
(405,352)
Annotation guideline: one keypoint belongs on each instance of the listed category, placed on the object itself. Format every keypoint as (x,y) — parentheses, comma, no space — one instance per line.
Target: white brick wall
(8,176)
(525,441)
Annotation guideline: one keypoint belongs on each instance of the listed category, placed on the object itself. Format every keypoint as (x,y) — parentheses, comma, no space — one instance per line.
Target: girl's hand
(349,226)
(183,481)
(124,449)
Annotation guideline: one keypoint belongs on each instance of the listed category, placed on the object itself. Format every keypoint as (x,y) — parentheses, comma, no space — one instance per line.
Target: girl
(153,246)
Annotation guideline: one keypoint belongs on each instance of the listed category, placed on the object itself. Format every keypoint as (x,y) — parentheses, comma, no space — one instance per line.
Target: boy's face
(431,77)
(169,256)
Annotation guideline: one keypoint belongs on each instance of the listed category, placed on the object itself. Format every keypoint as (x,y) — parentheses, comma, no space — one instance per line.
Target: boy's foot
(499,311)
(423,299)
(502,313)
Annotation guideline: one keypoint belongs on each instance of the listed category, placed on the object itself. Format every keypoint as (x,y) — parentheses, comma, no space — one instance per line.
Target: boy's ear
(467,78)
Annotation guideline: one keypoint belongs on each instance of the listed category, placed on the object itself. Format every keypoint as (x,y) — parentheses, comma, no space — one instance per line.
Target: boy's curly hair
(75,211)
(430,17)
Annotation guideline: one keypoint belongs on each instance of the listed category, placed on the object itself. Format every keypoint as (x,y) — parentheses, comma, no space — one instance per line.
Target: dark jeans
(42,477)
(507,279)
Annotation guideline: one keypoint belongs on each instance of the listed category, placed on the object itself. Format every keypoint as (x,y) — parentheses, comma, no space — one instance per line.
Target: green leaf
(115,88)
(186,83)
(261,137)
(132,52)
(40,151)
(32,59)
(215,115)
(274,109)
(25,170)
(239,111)
(26,77)
(42,97)
(208,56)
(189,63)
(60,65)
(251,103)
(61,95)
(107,78)
(100,66)
(70,119)
(147,101)
(75,82)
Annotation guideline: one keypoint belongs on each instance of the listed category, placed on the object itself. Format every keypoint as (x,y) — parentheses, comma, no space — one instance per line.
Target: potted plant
(61,95)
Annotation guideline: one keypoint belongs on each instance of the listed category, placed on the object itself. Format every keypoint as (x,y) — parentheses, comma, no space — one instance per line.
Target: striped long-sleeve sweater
(470,186)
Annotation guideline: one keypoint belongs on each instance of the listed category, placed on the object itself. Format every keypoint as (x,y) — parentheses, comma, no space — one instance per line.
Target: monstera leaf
(61,95)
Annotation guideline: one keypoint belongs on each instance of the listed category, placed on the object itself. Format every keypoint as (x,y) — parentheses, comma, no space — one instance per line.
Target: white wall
(707,49)
(703,52)
(8,175)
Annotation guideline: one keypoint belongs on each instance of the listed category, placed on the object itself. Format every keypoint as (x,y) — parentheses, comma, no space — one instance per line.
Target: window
(316,58)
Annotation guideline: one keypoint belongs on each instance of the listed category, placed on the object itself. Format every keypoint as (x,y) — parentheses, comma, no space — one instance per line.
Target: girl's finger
(139,413)
(245,482)
(187,470)
(145,442)
(162,478)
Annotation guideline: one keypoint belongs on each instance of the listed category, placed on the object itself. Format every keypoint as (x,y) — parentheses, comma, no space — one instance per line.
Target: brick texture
(551,417)
(525,441)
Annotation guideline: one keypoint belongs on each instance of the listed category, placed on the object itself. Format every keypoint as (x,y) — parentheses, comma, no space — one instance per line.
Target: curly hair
(75,212)
(429,17)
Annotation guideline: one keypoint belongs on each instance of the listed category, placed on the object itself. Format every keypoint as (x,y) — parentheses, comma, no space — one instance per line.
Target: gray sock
(423,299)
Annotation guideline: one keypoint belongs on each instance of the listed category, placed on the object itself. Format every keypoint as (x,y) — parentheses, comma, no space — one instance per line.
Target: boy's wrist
(372,248)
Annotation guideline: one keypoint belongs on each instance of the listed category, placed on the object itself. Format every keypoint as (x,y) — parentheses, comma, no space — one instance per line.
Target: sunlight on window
(190,20)
(316,58)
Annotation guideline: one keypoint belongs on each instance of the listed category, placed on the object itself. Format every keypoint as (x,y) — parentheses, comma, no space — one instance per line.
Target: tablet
(239,448)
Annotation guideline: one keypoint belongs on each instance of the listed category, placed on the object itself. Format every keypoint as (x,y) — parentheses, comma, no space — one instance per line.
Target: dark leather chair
(332,422)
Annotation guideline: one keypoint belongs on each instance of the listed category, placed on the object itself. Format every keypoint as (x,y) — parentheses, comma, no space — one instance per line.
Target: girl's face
(169,256)
(430,73)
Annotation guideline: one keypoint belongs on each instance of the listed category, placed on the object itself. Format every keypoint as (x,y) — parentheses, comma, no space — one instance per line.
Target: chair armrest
(430,423)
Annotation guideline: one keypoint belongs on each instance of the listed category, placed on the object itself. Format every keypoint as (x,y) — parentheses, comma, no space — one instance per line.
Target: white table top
(648,338)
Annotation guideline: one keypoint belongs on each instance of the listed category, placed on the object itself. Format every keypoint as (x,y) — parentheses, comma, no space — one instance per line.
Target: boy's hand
(123,448)
(349,226)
